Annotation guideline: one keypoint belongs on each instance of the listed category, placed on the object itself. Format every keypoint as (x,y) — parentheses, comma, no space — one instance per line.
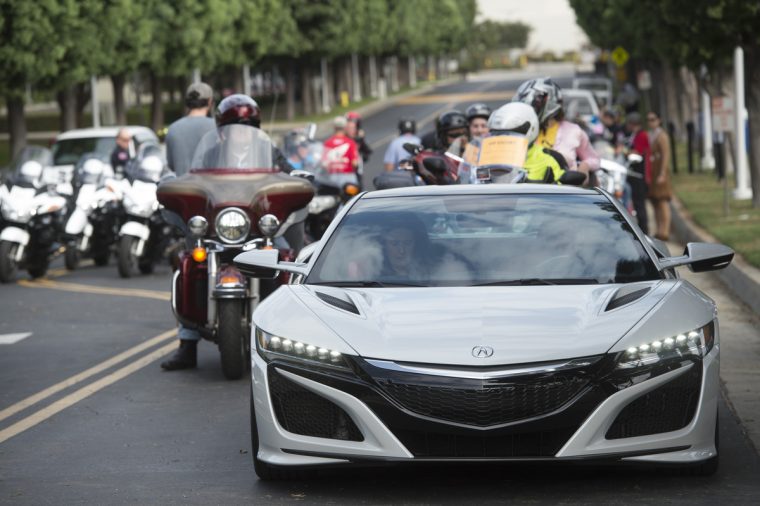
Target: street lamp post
(743,190)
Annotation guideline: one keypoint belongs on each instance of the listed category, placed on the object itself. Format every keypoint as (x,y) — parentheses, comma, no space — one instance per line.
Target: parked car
(485,322)
(600,86)
(580,105)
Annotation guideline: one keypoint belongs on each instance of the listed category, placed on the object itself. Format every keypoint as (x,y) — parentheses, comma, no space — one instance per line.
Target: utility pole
(708,160)
(196,75)
(247,79)
(743,190)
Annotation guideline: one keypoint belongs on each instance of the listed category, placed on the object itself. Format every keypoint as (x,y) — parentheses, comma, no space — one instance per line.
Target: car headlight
(271,346)
(232,225)
(693,344)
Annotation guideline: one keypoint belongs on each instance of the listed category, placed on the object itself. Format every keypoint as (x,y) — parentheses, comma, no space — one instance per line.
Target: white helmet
(514,117)
(93,167)
(31,170)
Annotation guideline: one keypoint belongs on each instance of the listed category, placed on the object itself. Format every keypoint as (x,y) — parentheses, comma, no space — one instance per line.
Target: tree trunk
(119,107)
(82,99)
(752,94)
(290,90)
(307,89)
(157,106)
(67,102)
(16,124)
(671,94)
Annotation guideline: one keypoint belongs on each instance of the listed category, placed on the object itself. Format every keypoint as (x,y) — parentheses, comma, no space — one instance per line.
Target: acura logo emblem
(482,351)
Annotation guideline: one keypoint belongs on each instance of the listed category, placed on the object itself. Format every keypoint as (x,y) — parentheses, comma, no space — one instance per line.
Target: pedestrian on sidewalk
(638,143)
(395,153)
(660,190)
(183,137)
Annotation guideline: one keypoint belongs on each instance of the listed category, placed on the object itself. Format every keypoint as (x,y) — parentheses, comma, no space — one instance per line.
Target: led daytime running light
(298,349)
(696,343)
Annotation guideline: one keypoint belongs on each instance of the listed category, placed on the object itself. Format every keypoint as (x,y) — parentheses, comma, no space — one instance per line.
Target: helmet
(448,121)
(479,110)
(238,109)
(515,117)
(407,126)
(31,170)
(353,116)
(543,95)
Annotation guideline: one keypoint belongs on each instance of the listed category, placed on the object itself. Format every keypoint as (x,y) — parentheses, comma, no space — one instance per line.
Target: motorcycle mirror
(573,178)
(305,174)
(311,131)
(412,149)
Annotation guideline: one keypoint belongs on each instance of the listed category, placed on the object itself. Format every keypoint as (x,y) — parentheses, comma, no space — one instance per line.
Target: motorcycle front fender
(135,229)
(77,222)
(15,234)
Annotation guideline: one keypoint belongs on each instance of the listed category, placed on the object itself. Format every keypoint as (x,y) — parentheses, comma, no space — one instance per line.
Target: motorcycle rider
(235,109)
(562,136)
(477,125)
(450,126)
(341,153)
(396,152)
(185,133)
(519,118)
(354,131)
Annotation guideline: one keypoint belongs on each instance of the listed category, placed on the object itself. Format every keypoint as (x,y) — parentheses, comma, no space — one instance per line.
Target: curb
(740,277)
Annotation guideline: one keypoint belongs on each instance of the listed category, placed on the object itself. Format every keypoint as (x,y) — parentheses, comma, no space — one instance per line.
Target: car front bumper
(391,433)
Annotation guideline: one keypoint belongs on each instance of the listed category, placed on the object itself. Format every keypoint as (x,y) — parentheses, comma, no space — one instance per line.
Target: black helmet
(238,109)
(448,121)
(479,110)
(407,126)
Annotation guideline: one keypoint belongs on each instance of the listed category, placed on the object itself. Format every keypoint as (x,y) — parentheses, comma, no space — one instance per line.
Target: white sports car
(484,323)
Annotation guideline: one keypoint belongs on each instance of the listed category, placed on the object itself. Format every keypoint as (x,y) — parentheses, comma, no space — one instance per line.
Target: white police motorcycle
(144,235)
(93,226)
(33,213)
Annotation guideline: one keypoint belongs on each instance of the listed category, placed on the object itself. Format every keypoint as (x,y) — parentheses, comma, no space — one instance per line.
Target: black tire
(8,265)
(101,259)
(71,257)
(127,260)
(231,335)
(37,267)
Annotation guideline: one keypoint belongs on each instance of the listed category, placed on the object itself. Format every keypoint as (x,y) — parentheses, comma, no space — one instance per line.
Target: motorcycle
(92,228)
(613,173)
(424,167)
(32,213)
(233,199)
(144,236)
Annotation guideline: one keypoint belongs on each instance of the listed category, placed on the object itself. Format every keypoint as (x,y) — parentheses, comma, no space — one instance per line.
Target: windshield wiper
(540,281)
(365,284)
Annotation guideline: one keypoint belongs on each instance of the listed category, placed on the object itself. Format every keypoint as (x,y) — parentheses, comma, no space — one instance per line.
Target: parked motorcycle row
(96,213)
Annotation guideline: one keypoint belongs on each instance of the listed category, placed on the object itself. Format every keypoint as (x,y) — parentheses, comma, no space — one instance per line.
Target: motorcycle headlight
(693,344)
(232,225)
(15,216)
(271,346)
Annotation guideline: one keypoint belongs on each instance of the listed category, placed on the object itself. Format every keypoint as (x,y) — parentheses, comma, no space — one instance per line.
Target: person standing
(183,137)
(660,191)
(638,143)
(185,133)
(407,128)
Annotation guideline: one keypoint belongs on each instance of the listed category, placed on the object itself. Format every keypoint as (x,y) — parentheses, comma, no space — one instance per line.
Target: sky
(553,21)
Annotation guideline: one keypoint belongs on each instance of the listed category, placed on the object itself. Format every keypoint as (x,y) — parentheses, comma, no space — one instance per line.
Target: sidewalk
(739,336)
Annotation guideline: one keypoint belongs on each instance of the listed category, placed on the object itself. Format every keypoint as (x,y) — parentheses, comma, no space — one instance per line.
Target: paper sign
(471,153)
(508,150)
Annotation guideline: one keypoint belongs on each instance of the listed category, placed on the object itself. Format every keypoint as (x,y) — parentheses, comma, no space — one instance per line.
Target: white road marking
(13,338)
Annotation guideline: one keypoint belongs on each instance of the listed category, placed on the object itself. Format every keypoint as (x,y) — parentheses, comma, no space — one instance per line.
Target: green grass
(703,196)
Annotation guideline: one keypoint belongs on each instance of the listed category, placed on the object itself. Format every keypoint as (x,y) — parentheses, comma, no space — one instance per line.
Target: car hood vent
(345,305)
(625,296)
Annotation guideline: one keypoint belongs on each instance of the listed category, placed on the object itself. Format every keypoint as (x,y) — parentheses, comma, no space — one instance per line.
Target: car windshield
(579,105)
(471,240)
(235,147)
(68,151)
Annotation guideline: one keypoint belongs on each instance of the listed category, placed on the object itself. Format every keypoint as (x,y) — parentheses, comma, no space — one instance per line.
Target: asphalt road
(87,415)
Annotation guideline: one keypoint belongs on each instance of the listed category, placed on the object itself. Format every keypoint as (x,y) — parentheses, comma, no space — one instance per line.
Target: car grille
(533,444)
(664,409)
(486,403)
(301,411)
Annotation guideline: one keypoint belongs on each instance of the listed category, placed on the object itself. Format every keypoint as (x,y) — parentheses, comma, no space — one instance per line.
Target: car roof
(86,133)
(575,92)
(481,189)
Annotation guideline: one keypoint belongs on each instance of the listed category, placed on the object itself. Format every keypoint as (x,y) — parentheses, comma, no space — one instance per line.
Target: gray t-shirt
(183,137)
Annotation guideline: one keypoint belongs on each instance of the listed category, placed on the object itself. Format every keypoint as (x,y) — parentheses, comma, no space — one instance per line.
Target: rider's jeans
(186,334)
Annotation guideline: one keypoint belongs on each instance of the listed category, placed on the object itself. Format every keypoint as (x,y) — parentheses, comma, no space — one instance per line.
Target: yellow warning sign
(620,56)
(508,150)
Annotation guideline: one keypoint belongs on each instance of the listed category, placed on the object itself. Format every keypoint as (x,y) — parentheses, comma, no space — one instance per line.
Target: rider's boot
(184,358)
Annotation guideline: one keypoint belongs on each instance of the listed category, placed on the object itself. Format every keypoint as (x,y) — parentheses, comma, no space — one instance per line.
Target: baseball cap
(199,91)
(340,122)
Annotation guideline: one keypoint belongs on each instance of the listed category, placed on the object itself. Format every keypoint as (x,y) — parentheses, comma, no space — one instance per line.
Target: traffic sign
(723,114)
(620,56)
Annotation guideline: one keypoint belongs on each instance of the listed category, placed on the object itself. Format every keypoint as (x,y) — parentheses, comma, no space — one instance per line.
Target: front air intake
(345,305)
(624,297)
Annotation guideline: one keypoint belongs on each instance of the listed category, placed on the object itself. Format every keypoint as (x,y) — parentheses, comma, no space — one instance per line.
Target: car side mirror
(701,257)
(264,263)
(573,178)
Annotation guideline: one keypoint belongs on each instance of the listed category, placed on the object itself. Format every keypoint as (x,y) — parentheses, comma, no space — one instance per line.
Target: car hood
(443,325)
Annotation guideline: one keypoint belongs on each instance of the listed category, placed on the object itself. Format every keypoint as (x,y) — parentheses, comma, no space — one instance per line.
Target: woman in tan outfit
(660,190)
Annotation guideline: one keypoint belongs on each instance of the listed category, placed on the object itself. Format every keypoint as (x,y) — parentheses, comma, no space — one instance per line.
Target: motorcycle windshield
(149,165)
(234,148)
(91,168)
(29,165)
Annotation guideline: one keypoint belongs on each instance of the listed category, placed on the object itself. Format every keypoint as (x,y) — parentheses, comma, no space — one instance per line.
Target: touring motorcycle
(33,214)
(233,199)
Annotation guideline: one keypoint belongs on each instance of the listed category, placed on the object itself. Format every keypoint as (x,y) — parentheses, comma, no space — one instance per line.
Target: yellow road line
(73,380)
(84,392)
(62,271)
(457,97)
(100,290)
